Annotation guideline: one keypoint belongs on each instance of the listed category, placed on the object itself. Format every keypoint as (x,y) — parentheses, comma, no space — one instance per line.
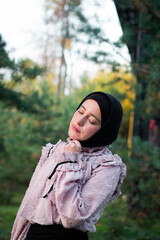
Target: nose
(81,121)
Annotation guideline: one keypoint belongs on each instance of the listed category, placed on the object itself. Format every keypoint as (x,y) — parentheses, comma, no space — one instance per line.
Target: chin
(73,135)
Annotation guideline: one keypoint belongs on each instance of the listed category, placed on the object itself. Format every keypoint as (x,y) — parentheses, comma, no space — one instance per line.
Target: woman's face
(86,121)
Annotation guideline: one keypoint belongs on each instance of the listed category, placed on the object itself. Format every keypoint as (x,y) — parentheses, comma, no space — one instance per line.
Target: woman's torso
(37,209)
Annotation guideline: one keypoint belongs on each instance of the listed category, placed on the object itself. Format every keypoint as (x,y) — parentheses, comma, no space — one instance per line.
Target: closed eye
(92,122)
(80,112)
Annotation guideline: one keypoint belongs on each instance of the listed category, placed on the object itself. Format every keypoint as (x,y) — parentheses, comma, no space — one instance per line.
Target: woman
(74,181)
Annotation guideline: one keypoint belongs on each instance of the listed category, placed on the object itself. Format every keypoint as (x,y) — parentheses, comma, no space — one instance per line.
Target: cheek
(74,117)
(92,130)
(73,120)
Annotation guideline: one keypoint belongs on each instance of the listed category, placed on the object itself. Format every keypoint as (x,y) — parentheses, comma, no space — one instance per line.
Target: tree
(140,20)
(5,61)
(60,15)
(121,84)
(20,71)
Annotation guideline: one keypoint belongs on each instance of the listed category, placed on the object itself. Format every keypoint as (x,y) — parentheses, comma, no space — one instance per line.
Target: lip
(75,129)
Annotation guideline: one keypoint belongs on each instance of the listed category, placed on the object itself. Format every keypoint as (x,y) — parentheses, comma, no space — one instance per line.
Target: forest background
(37,100)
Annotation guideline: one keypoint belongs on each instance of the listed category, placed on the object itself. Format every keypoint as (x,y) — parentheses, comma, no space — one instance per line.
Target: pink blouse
(71,189)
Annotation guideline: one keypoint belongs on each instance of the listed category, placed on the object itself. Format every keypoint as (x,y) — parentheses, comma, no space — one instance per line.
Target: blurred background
(53,53)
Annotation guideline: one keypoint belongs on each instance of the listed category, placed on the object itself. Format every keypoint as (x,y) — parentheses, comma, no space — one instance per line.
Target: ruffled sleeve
(45,152)
(111,160)
(20,228)
(76,202)
(73,161)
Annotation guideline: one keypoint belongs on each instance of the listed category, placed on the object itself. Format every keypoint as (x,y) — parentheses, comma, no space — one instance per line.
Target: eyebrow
(91,114)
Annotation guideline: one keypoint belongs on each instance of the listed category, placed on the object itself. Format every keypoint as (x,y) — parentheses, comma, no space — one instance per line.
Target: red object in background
(152,124)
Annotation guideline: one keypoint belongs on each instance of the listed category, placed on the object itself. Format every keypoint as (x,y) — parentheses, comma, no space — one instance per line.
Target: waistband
(55,231)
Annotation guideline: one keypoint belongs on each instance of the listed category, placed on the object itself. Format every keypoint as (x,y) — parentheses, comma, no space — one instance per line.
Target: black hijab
(111,114)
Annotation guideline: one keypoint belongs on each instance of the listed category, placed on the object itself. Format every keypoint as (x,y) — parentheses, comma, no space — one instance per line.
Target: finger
(77,143)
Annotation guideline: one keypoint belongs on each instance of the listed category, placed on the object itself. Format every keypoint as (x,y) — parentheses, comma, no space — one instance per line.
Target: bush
(7,216)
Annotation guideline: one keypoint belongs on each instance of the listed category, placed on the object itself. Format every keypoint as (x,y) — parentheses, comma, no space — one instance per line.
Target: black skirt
(54,232)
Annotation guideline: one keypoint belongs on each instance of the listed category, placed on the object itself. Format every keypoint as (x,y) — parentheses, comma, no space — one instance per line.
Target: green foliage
(22,71)
(7,216)
(16,165)
(140,21)
(27,69)
(115,224)
(5,61)
(11,99)
(23,135)
(143,185)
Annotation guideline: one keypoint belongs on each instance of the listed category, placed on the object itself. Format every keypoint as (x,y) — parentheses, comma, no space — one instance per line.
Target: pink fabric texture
(81,189)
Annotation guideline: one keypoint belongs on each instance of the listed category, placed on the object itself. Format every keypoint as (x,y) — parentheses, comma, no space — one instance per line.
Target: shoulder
(107,160)
(47,150)
(111,170)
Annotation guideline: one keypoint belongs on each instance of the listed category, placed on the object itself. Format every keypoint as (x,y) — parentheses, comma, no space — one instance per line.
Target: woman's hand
(72,146)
